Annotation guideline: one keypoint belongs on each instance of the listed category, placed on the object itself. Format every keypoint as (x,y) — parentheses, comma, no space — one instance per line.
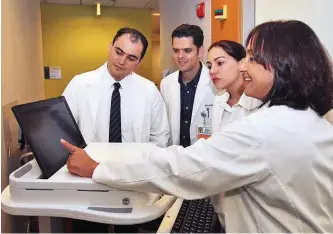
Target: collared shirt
(245,106)
(187,95)
(223,115)
(103,117)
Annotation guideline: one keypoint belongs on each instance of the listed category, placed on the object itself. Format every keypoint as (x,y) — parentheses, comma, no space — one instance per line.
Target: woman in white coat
(230,104)
(275,166)
(224,61)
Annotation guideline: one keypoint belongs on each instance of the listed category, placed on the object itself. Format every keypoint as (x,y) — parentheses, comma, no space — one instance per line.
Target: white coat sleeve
(159,128)
(70,95)
(162,89)
(229,159)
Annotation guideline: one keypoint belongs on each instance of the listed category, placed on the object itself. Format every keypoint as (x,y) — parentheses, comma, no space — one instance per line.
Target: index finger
(68,146)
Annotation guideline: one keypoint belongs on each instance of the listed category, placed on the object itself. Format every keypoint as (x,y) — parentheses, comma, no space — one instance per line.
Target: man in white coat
(188,93)
(114,104)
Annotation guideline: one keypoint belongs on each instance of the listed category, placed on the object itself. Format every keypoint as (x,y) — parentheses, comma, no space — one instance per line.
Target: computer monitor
(43,124)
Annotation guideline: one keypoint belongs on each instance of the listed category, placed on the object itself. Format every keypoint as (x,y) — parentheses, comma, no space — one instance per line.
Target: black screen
(44,123)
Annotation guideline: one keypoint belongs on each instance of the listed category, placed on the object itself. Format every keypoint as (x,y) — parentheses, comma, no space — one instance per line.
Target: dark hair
(135,37)
(187,30)
(303,74)
(232,48)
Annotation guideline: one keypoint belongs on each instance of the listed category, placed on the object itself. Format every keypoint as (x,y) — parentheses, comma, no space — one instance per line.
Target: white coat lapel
(94,93)
(175,109)
(200,93)
(141,128)
(94,101)
(218,111)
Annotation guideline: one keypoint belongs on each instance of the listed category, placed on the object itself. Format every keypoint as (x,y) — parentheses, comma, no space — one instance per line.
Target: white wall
(21,75)
(22,61)
(175,13)
(248,18)
(317,14)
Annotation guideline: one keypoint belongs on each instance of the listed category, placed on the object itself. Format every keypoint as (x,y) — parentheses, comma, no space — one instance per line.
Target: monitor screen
(43,124)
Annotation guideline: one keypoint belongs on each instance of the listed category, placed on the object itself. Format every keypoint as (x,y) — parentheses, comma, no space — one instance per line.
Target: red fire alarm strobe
(201,10)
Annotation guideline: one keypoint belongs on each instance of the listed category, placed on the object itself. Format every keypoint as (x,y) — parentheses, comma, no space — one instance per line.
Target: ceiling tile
(155,5)
(130,3)
(87,2)
(68,2)
(108,2)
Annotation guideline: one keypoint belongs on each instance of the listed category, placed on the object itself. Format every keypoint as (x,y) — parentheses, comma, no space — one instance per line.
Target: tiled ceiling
(150,4)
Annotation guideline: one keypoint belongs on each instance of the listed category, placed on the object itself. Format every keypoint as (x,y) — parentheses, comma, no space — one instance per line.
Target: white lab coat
(204,98)
(275,167)
(151,122)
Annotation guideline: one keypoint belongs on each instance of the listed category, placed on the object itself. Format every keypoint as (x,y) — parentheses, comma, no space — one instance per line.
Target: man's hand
(79,163)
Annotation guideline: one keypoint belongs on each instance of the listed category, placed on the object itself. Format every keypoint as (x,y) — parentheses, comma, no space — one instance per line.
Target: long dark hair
(303,74)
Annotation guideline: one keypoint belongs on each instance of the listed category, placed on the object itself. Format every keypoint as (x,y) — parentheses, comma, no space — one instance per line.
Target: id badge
(204,131)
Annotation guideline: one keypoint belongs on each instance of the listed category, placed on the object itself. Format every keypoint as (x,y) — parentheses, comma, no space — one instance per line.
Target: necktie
(115,115)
